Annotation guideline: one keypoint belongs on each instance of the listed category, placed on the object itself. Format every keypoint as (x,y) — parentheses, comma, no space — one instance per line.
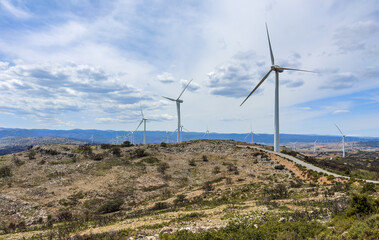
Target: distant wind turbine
(252,135)
(342,140)
(314,146)
(178,102)
(206,133)
(277,69)
(144,125)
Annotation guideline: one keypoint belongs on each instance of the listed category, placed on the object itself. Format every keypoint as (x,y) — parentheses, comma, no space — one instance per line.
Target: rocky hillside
(151,191)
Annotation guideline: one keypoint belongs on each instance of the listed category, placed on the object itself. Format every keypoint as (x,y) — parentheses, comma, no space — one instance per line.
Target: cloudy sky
(90,64)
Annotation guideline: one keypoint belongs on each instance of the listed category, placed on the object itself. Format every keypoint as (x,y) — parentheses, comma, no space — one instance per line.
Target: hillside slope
(123,191)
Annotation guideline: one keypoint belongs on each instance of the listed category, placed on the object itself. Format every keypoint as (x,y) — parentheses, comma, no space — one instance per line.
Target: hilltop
(123,191)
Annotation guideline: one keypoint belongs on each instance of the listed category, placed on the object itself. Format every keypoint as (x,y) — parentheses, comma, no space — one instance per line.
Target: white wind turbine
(252,135)
(206,133)
(178,102)
(314,146)
(144,126)
(277,69)
(342,140)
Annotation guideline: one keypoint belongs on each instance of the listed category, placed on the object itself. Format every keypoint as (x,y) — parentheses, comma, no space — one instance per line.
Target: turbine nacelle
(277,68)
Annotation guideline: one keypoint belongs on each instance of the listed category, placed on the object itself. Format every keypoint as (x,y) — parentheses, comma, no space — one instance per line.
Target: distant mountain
(109,136)
(18,144)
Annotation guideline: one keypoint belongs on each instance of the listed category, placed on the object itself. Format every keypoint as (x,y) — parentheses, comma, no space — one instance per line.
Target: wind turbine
(277,69)
(178,102)
(343,141)
(144,126)
(314,146)
(206,133)
(252,135)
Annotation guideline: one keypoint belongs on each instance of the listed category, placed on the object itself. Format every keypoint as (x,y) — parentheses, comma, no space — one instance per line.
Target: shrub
(86,149)
(106,146)
(162,167)
(207,186)
(151,160)
(92,204)
(228,181)
(160,206)
(279,191)
(126,144)
(180,200)
(116,151)
(232,168)
(140,153)
(32,155)
(368,188)
(205,158)
(279,167)
(216,170)
(111,206)
(97,157)
(64,215)
(192,162)
(5,171)
(163,144)
(360,205)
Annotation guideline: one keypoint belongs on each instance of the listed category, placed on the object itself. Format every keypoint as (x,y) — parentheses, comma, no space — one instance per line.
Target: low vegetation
(193,190)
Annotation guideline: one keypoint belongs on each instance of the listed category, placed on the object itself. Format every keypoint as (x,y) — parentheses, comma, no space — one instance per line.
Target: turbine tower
(342,140)
(277,69)
(178,102)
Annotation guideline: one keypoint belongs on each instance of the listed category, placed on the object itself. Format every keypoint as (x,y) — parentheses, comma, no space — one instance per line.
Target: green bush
(360,205)
(140,153)
(279,191)
(111,206)
(279,167)
(368,188)
(126,144)
(116,151)
(5,171)
(162,167)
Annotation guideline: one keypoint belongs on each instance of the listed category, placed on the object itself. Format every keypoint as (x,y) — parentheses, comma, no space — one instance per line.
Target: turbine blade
(339,129)
(184,89)
(141,110)
(171,99)
(139,125)
(269,43)
(295,69)
(264,78)
(247,136)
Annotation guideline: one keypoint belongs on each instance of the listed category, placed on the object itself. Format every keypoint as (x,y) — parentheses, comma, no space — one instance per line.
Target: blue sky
(90,64)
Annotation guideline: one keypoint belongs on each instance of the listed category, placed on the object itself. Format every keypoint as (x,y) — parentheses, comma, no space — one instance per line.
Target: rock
(282,219)
(291,219)
(165,230)
(256,225)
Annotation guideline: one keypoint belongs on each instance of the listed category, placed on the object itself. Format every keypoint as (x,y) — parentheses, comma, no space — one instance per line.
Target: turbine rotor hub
(276,68)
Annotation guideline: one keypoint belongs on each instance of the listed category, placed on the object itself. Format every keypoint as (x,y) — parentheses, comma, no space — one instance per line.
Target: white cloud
(17,12)
(166,77)
(340,111)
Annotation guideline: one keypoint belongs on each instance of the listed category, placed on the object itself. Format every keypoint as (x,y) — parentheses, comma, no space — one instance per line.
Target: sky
(92,65)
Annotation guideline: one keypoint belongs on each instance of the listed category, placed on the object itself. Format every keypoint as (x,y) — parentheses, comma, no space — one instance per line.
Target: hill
(18,144)
(172,191)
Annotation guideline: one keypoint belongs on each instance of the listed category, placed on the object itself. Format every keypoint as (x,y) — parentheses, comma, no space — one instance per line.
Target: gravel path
(305,164)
